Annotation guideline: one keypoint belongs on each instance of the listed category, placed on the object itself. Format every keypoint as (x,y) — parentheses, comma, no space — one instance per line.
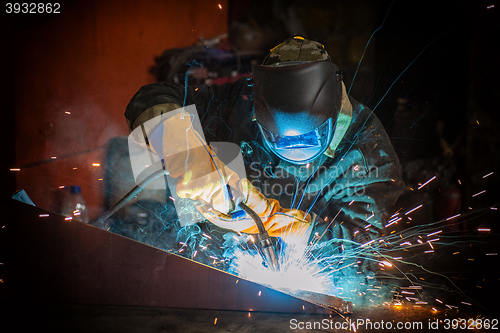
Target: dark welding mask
(297,97)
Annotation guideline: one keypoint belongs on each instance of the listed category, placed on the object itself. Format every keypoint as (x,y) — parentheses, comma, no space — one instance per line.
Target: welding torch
(266,245)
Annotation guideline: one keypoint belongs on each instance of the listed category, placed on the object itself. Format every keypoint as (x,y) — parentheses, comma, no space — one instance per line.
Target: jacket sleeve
(363,183)
(154,99)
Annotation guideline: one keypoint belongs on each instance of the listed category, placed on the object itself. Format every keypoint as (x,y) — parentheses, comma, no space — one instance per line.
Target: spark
(452,217)
(368,243)
(490,6)
(487,175)
(220,7)
(15,169)
(484,229)
(491,254)
(53,157)
(67,112)
(434,233)
(412,210)
(96,164)
(69,218)
(478,193)
(215,321)
(427,182)
(43,215)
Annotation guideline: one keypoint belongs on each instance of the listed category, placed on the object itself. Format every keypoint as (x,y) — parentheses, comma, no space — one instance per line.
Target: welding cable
(132,193)
(265,241)
(255,217)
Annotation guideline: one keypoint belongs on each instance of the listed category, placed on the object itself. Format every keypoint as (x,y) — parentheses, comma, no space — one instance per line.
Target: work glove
(202,177)
(278,221)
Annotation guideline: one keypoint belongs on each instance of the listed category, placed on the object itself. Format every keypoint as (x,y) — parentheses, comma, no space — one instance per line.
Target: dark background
(451,87)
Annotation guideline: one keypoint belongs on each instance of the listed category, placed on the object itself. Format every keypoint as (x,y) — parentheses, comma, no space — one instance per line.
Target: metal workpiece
(326,301)
(55,261)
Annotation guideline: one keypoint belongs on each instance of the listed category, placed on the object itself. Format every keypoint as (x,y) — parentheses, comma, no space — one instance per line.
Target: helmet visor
(299,149)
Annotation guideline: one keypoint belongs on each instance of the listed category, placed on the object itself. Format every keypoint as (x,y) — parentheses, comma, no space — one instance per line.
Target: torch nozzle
(269,254)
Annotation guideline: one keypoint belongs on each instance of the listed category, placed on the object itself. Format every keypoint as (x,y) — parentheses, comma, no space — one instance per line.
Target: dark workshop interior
(428,69)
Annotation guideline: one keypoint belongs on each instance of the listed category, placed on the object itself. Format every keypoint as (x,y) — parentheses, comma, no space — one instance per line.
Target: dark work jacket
(351,194)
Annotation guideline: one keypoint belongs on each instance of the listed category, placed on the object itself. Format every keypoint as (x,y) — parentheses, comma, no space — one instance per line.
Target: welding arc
(132,193)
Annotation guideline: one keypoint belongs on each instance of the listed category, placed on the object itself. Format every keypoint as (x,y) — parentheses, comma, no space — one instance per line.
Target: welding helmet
(297,97)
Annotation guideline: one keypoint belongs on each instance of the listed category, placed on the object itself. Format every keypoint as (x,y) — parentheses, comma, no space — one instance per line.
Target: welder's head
(297,97)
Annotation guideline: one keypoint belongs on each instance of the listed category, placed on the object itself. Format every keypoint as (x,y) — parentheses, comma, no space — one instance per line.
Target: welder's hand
(277,221)
(200,175)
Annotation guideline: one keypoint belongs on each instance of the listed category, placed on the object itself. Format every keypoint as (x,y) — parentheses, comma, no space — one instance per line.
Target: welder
(316,160)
